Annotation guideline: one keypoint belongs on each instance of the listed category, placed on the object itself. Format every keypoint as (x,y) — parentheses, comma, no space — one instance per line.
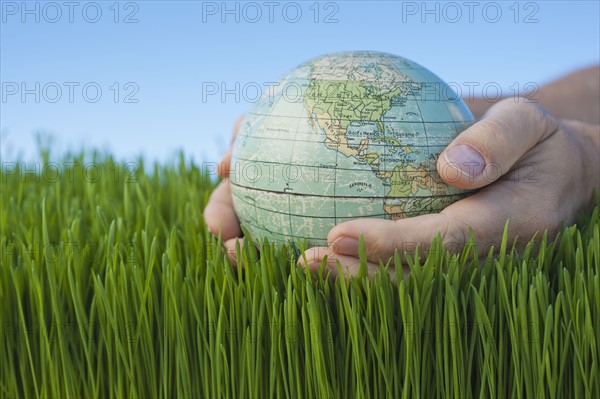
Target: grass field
(110,285)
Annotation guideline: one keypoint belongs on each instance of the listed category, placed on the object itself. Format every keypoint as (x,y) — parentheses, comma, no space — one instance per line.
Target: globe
(344,136)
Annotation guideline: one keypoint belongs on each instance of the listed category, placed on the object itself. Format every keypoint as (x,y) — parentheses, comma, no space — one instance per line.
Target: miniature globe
(344,136)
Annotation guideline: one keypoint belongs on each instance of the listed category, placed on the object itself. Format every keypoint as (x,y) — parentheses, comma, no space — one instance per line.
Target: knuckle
(545,218)
(538,117)
(377,247)
(454,232)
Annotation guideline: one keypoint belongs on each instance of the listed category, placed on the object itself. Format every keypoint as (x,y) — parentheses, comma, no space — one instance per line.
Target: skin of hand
(533,169)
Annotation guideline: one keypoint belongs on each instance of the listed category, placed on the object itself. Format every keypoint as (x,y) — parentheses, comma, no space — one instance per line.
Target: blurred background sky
(146,77)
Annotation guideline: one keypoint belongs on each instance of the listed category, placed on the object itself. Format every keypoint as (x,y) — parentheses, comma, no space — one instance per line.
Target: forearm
(575,96)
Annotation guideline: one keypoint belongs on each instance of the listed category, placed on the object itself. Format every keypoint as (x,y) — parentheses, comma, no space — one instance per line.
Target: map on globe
(344,136)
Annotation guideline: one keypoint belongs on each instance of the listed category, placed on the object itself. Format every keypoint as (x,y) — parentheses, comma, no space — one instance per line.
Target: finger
(486,212)
(487,150)
(383,237)
(219,214)
(235,257)
(224,165)
(226,160)
(350,264)
(230,247)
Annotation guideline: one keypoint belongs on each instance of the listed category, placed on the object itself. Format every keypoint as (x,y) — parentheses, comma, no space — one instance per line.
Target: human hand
(219,214)
(532,168)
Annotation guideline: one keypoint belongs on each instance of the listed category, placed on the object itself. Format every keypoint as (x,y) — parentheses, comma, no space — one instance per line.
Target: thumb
(487,150)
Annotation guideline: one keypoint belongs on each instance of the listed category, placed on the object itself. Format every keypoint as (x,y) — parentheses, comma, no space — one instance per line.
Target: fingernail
(314,266)
(345,246)
(311,265)
(310,262)
(465,159)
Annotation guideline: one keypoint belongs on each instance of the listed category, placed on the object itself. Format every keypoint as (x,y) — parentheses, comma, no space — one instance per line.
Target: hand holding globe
(399,155)
(345,136)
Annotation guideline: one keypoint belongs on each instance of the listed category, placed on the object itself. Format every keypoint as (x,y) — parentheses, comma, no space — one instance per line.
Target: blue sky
(132,77)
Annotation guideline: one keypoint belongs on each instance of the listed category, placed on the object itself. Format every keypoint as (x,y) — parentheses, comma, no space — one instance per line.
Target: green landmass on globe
(340,137)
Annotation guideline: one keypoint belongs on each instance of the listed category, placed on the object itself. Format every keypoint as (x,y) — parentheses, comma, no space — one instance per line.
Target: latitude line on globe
(313,141)
(348,120)
(322,217)
(341,196)
(312,166)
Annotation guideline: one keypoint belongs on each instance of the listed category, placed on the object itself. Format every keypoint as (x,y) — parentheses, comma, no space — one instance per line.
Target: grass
(110,285)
